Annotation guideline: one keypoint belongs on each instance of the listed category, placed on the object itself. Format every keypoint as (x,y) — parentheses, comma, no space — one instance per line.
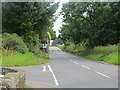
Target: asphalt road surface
(68,71)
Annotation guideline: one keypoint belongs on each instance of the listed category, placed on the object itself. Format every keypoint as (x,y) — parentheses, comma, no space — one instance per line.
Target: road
(68,71)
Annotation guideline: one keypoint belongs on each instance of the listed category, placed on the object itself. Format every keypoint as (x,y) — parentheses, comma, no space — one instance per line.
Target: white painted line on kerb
(103,75)
(44,68)
(56,81)
(85,66)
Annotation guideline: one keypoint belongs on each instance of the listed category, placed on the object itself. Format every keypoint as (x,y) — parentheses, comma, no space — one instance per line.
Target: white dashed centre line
(76,63)
(1,76)
(44,68)
(103,75)
(85,66)
(56,81)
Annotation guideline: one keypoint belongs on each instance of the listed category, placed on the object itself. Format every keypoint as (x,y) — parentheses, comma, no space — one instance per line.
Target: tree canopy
(30,20)
(92,23)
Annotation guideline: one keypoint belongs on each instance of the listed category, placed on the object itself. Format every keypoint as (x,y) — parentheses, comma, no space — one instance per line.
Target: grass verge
(111,58)
(107,54)
(12,58)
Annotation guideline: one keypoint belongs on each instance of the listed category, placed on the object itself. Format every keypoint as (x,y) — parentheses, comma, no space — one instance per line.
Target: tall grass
(107,54)
(13,58)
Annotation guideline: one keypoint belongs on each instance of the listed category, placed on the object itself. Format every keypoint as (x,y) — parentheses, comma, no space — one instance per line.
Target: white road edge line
(85,66)
(56,81)
(103,75)
(1,76)
(44,68)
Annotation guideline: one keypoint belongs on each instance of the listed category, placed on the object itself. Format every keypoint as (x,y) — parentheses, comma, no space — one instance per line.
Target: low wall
(12,78)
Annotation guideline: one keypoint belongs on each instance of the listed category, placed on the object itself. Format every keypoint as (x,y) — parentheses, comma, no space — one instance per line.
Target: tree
(30,20)
(53,34)
(93,23)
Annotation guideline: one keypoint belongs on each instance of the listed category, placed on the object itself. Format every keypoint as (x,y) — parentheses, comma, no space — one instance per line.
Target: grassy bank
(111,58)
(12,58)
(107,54)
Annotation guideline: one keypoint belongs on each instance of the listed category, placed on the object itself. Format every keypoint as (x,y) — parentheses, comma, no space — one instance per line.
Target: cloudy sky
(58,22)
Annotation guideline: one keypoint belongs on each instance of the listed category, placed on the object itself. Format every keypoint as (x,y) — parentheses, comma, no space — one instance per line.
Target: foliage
(53,34)
(49,35)
(111,58)
(80,49)
(57,42)
(0,42)
(93,23)
(24,17)
(33,42)
(77,49)
(13,58)
(100,53)
(61,46)
(13,42)
(30,20)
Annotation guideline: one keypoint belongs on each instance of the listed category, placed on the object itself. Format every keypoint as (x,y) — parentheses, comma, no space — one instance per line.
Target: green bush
(13,42)
(100,53)
(74,48)
(61,46)
(106,49)
(80,49)
(33,42)
(0,42)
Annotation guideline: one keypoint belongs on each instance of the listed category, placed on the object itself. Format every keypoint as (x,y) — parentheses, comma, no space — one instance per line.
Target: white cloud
(58,22)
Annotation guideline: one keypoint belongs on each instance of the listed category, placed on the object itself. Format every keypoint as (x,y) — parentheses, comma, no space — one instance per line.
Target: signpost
(45,44)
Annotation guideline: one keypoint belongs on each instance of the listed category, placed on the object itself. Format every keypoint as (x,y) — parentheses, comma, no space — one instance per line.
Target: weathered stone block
(12,78)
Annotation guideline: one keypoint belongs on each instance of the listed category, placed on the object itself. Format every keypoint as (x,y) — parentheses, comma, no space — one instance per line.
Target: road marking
(85,66)
(1,76)
(59,49)
(56,81)
(55,49)
(71,60)
(44,68)
(75,62)
(103,75)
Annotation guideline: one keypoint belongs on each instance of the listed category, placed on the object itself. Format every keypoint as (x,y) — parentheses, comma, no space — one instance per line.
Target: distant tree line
(91,23)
